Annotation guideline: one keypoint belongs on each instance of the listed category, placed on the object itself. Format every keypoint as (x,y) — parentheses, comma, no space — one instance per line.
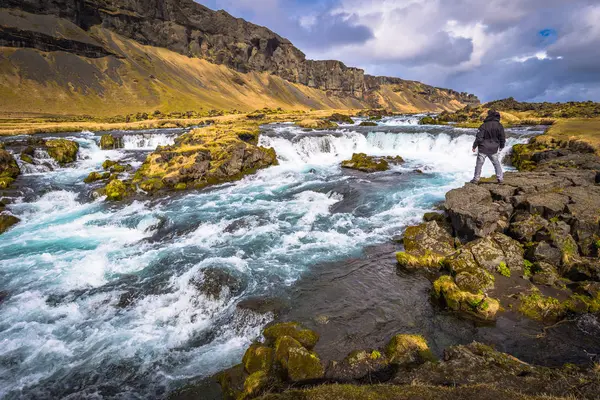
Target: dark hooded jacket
(490,137)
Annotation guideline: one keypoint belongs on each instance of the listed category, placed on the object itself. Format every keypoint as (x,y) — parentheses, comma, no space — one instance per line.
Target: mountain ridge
(193,30)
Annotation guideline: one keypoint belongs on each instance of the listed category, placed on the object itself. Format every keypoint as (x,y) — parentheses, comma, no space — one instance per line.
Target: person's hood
(493,116)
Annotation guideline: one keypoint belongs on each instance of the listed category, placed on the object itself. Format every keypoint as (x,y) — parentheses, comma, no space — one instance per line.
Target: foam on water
(97,289)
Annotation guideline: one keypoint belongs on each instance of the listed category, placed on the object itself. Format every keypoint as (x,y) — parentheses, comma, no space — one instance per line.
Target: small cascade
(147,141)
(42,162)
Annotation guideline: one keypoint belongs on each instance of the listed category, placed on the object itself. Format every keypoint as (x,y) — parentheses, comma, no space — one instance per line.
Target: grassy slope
(586,130)
(146,78)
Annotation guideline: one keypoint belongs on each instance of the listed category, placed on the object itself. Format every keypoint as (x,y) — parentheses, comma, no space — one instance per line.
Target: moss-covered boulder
(305,337)
(361,366)
(153,185)
(368,123)
(116,190)
(536,306)
(9,168)
(426,245)
(468,275)
(317,124)
(7,221)
(340,118)
(96,176)
(479,306)
(255,384)
(62,150)
(215,283)
(408,349)
(282,347)
(303,365)
(258,358)
(115,166)
(6,182)
(526,226)
(365,163)
(110,142)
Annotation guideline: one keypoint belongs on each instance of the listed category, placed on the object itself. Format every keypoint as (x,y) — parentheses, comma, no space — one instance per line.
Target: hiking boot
(500,181)
(474,181)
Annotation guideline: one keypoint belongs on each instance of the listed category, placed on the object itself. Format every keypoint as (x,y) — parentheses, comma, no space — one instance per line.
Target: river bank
(528,245)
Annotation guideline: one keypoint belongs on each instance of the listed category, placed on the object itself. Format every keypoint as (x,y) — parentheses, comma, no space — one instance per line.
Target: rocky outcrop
(9,169)
(188,28)
(405,365)
(365,163)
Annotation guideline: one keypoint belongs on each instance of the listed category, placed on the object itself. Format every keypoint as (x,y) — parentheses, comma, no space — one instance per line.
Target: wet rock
(583,269)
(9,169)
(408,349)
(264,305)
(526,227)
(62,150)
(425,246)
(3,296)
(545,274)
(212,282)
(477,363)
(7,221)
(96,176)
(126,299)
(115,167)
(368,123)
(303,365)
(544,252)
(116,190)
(369,366)
(448,294)
(305,337)
(365,163)
(110,142)
(340,118)
(317,124)
(258,358)
(474,214)
(468,275)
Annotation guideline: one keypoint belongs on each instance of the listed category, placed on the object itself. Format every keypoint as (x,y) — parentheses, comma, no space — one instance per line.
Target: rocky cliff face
(191,29)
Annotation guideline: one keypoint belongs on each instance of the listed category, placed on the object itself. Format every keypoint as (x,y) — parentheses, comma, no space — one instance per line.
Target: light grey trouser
(495,161)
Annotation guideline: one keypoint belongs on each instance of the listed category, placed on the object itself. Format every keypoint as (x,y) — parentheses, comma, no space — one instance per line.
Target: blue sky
(533,50)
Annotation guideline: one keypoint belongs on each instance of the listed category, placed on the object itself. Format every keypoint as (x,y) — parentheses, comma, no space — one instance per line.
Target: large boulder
(408,349)
(215,283)
(425,246)
(110,142)
(360,365)
(365,163)
(306,337)
(584,209)
(62,150)
(8,165)
(258,358)
(474,214)
(7,221)
(478,306)
(468,275)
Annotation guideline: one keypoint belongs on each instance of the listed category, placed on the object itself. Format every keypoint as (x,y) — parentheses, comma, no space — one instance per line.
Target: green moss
(255,384)
(96,176)
(503,270)
(449,294)
(62,150)
(303,365)
(368,123)
(152,185)
(116,190)
(527,268)
(258,358)
(6,182)
(109,142)
(375,355)
(283,344)
(306,337)
(365,163)
(341,118)
(7,221)
(427,261)
(408,349)
(108,164)
(539,307)
(26,158)
(581,304)
(9,168)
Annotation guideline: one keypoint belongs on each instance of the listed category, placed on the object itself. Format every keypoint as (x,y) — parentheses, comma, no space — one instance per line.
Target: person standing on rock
(489,142)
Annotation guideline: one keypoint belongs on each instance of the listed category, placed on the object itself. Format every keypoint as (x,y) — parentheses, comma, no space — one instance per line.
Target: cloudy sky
(534,50)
